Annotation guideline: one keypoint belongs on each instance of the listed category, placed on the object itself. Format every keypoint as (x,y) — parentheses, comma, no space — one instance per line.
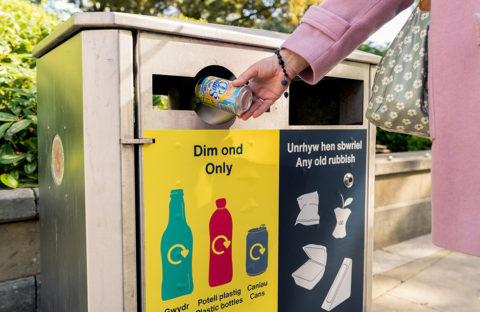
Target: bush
(397,142)
(22,26)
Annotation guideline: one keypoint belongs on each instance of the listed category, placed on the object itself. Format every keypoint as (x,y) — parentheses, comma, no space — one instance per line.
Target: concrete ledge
(402,197)
(18,295)
(392,163)
(402,221)
(18,205)
(19,250)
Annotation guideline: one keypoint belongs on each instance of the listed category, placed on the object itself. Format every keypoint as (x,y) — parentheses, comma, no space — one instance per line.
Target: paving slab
(385,261)
(450,284)
(383,284)
(409,270)
(389,303)
(415,248)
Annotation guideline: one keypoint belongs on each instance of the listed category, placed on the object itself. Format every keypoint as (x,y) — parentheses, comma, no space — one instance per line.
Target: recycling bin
(150,203)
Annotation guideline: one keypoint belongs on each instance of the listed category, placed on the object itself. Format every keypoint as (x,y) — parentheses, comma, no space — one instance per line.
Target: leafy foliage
(22,26)
(371,47)
(160,101)
(397,142)
(280,15)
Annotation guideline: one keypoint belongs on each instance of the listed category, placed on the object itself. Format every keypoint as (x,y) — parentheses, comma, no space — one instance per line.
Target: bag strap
(425,5)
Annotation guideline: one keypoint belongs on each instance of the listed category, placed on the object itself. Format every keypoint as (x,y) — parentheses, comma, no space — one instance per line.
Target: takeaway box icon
(311,272)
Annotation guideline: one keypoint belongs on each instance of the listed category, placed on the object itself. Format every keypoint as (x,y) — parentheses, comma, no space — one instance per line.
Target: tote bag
(399,100)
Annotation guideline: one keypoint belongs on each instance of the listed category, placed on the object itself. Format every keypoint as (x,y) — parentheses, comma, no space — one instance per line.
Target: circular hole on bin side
(206,113)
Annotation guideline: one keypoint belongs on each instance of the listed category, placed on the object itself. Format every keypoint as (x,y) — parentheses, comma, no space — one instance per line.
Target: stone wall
(402,197)
(402,211)
(19,250)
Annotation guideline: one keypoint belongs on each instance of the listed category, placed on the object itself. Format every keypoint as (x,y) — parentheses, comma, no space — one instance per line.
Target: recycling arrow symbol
(261,250)
(226,244)
(184,253)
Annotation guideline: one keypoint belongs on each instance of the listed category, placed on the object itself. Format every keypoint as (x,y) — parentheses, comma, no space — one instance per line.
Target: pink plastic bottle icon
(221,268)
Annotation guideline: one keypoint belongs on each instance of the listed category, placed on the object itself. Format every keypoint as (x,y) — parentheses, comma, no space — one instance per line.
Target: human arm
(327,34)
(265,79)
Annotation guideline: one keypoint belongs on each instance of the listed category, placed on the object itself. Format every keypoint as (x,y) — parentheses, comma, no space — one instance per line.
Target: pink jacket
(329,32)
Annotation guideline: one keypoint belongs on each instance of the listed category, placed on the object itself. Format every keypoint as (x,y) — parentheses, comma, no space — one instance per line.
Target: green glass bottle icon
(176,249)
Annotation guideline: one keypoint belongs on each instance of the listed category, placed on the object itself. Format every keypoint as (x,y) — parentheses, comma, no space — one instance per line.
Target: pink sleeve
(331,31)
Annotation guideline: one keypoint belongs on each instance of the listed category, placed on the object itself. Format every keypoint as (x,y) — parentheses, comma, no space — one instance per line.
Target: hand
(265,80)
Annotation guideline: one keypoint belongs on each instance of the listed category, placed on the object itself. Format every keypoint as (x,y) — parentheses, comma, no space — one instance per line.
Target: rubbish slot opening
(332,101)
(177,93)
(172,92)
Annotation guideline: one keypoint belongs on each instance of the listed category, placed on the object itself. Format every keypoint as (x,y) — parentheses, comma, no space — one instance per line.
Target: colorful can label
(220,93)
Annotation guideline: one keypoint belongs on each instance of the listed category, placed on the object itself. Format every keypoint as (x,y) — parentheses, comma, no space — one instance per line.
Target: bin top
(223,33)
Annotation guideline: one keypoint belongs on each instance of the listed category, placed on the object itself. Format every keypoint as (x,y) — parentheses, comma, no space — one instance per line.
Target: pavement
(415,275)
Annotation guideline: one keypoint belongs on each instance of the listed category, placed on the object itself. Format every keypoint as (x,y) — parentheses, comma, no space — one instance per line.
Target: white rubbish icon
(342,215)
(341,288)
(308,204)
(311,272)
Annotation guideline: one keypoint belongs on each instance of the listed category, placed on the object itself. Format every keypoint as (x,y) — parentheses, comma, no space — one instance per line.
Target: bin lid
(209,31)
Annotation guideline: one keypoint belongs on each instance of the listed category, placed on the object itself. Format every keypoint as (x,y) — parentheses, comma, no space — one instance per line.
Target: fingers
(262,108)
(248,114)
(258,107)
(255,102)
(250,73)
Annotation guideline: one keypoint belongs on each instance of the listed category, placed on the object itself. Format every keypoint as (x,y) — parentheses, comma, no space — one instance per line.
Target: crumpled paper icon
(308,204)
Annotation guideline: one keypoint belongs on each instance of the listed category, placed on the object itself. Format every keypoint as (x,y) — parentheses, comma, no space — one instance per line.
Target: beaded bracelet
(282,64)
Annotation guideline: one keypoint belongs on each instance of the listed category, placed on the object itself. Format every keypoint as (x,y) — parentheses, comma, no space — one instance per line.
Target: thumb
(250,73)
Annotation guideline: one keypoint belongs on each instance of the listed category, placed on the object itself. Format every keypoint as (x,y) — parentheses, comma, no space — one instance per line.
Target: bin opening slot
(332,101)
(177,92)
(172,92)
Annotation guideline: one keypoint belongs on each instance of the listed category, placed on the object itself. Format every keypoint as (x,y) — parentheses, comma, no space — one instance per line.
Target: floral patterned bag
(399,100)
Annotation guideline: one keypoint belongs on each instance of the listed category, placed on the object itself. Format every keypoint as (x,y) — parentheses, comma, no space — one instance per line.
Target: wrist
(290,70)
(294,63)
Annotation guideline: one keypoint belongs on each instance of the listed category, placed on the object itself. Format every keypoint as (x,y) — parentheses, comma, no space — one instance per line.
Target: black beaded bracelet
(282,64)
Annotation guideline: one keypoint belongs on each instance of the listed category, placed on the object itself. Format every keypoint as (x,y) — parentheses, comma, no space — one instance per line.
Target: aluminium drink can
(221,94)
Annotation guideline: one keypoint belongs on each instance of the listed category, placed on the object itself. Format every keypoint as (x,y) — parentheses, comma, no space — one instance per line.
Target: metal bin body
(97,74)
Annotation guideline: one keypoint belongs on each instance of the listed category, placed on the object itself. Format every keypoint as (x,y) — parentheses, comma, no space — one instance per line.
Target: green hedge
(22,26)
(397,142)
